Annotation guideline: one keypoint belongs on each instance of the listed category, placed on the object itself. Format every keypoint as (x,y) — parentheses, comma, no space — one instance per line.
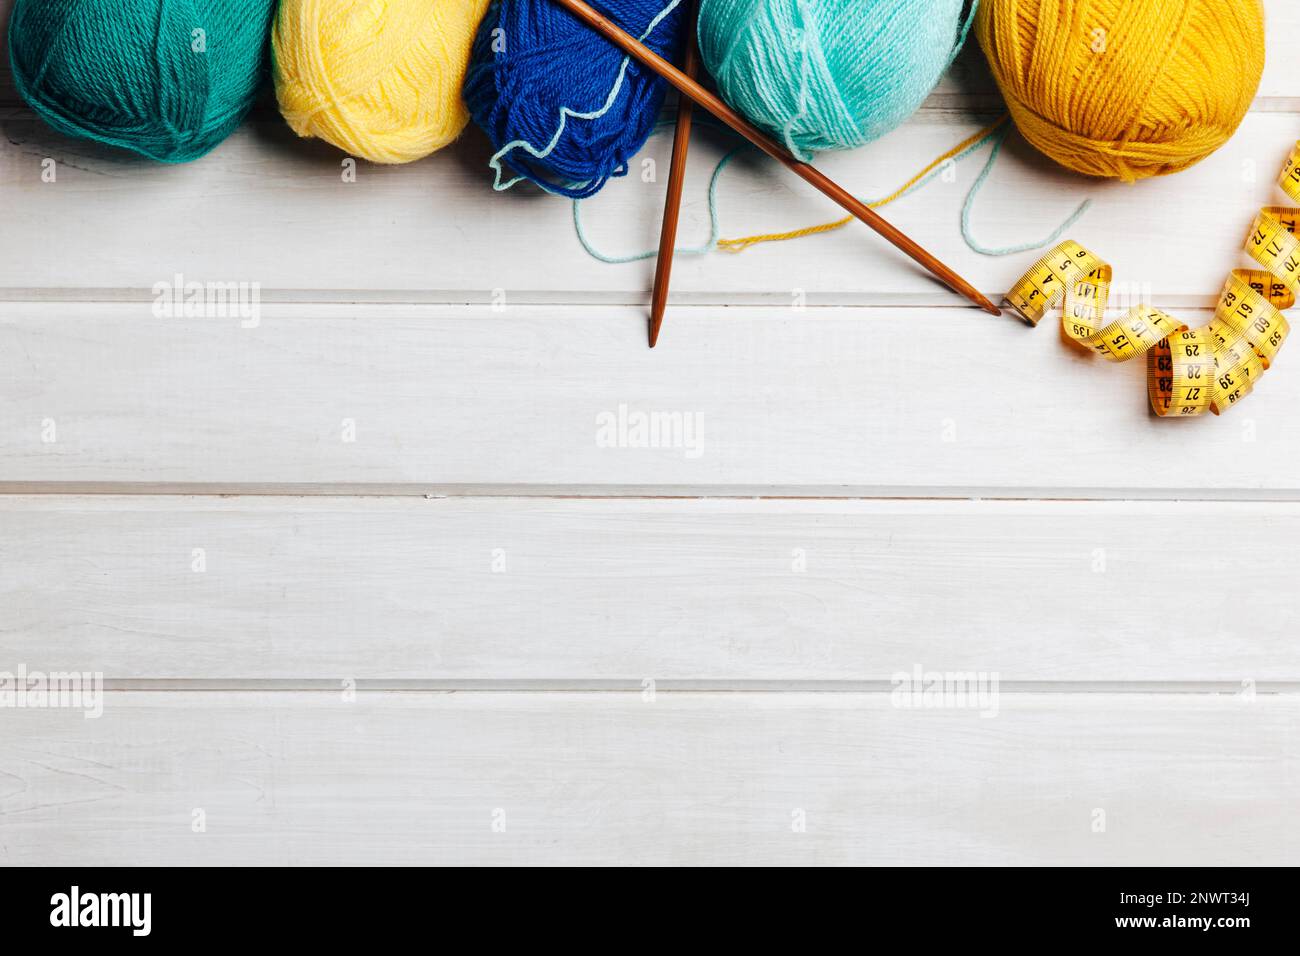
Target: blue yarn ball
(833,74)
(563,106)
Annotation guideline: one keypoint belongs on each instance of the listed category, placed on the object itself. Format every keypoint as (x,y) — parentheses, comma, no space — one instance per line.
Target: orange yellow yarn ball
(1125,88)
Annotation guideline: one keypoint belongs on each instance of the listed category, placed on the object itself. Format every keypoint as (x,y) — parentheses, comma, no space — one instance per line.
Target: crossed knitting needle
(676,177)
(693,92)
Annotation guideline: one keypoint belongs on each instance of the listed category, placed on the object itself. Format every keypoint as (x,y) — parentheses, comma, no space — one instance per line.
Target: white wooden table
(366,585)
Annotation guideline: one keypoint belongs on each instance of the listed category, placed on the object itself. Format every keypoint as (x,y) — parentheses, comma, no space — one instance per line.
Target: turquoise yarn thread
(715,224)
(968,207)
(169,79)
(715,228)
(833,74)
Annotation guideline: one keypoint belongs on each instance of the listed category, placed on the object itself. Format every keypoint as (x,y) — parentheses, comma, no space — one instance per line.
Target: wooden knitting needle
(676,177)
(810,174)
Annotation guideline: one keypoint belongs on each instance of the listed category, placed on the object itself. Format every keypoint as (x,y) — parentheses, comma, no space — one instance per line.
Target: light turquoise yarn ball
(169,79)
(829,74)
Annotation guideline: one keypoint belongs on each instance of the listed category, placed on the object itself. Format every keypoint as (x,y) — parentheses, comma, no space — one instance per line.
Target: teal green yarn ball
(169,79)
(829,74)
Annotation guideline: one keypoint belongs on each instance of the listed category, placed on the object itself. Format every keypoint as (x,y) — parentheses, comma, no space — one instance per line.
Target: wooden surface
(407,589)
(364,575)
(453,400)
(689,778)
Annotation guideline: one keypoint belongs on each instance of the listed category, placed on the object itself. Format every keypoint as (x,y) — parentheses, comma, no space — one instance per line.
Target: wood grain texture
(270,209)
(600,778)
(471,345)
(465,400)
(585,591)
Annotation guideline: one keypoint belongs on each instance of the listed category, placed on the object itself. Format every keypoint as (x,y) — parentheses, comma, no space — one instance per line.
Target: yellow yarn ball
(1125,88)
(379,79)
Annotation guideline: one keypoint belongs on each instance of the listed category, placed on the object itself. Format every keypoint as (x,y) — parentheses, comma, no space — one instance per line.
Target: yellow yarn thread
(1125,88)
(379,79)
(743,243)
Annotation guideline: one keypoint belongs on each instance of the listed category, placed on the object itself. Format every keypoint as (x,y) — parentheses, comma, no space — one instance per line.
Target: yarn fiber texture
(379,79)
(831,74)
(562,105)
(1125,88)
(169,79)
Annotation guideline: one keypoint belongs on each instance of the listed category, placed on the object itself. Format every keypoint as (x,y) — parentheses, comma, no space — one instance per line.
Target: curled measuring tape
(1189,371)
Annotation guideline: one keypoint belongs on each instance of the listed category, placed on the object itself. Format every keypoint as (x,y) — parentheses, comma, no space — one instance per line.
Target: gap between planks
(636,686)
(716,304)
(909,493)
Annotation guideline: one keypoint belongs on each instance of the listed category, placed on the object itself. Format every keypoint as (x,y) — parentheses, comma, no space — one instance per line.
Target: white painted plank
(578,591)
(465,400)
(271,209)
(1281,31)
(688,779)
(582,591)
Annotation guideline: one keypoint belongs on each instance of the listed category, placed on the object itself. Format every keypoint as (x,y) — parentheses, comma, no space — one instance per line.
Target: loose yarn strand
(967,231)
(807,65)
(965,32)
(956,154)
(708,246)
(803,43)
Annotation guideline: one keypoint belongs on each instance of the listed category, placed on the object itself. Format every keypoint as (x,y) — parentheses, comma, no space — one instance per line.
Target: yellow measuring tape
(1189,370)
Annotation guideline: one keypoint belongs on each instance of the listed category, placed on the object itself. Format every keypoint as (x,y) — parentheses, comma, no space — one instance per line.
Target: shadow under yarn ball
(562,106)
(833,74)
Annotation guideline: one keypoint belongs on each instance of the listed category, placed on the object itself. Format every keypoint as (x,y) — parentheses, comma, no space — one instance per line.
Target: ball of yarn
(169,79)
(833,74)
(563,106)
(379,79)
(1125,88)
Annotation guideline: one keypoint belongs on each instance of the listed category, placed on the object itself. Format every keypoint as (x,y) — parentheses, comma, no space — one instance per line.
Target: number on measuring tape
(1190,371)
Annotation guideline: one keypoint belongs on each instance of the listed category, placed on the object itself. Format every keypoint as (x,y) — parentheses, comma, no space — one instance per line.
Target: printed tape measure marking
(1189,370)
